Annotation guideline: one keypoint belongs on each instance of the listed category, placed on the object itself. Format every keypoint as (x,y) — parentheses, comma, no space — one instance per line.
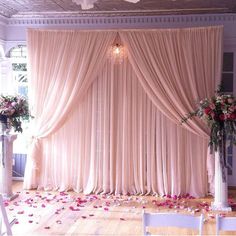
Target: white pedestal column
(6,153)
(221,188)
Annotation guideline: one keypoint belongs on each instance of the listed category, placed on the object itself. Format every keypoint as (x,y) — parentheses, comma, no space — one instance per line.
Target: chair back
(172,220)
(5,226)
(225,224)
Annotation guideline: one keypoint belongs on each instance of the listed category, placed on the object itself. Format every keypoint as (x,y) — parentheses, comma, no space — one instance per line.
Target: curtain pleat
(119,130)
(63,65)
(119,142)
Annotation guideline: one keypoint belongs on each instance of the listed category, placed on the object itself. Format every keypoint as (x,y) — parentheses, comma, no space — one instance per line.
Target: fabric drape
(63,66)
(120,131)
(177,67)
(122,144)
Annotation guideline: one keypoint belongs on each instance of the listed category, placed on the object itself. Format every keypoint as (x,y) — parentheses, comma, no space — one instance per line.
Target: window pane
(19,51)
(227,82)
(228,62)
(230,149)
(19,66)
(230,165)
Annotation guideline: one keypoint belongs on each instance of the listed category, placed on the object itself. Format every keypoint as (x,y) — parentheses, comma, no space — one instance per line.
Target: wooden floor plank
(52,213)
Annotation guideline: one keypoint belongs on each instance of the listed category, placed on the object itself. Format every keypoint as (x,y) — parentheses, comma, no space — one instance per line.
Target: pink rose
(222,117)
(233,116)
(207,110)
(230,100)
(212,106)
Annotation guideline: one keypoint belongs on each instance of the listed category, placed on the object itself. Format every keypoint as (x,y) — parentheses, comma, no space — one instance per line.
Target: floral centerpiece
(219,112)
(14,109)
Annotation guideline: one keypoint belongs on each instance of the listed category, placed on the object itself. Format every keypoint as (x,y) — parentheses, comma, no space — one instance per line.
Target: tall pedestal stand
(221,187)
(6,154)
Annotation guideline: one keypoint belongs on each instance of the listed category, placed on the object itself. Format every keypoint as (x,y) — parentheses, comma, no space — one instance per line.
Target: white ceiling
(10,8)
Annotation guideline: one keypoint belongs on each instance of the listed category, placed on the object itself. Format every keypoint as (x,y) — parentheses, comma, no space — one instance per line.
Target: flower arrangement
(220,114)
(14,109)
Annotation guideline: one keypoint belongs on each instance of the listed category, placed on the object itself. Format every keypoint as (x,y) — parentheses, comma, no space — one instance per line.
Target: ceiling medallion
(88,4)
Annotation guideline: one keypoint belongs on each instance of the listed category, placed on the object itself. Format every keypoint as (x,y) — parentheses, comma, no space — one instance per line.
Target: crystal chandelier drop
(117,51)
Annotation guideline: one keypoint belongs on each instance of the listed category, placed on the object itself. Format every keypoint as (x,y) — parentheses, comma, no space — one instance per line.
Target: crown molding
(90,13)
(125,21)
(3,20)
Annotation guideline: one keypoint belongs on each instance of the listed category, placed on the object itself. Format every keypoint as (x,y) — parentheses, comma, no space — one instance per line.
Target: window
(18,58)
(227,87)
(228,72)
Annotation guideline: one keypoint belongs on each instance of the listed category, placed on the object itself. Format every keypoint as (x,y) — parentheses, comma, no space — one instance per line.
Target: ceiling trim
(112,21)
(3,20)
(181,11)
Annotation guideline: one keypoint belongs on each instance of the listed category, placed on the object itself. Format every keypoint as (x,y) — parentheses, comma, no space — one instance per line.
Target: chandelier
(88,4)
(117,51)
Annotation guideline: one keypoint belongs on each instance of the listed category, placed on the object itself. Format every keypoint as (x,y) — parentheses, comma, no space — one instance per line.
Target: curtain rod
(124,30)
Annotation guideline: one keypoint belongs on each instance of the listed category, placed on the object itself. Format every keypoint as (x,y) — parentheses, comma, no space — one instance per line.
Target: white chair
(5,226)
(172,220)
(225,224)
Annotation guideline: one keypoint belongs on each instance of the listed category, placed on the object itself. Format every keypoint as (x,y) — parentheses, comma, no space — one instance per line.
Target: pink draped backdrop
(115,128)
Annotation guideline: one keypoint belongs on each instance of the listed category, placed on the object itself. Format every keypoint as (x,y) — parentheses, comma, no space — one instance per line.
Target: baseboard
(18,178)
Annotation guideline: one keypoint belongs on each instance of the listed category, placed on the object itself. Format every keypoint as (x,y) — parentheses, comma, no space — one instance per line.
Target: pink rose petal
(20,212)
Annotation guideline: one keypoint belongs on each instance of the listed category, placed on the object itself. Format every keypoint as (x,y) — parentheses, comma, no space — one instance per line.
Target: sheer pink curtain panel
(63,65)
(119,142)
(120,131)
(177,68)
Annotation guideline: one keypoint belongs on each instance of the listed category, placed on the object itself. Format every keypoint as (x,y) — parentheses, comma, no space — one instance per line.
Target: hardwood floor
(55,213)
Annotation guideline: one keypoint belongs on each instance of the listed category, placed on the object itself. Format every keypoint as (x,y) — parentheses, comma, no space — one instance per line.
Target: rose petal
(20,212)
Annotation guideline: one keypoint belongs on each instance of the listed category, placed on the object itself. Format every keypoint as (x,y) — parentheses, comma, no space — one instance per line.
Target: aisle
(61,213)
